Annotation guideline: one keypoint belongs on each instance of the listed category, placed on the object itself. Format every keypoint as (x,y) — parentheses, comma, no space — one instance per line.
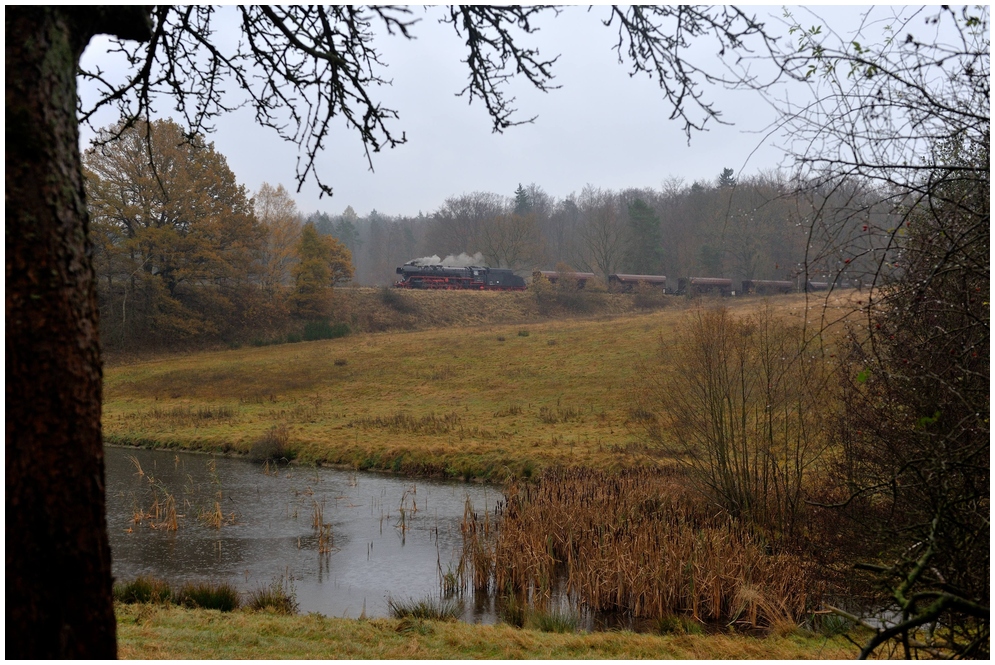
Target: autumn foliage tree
(175,236)
(277,212)
(322,261)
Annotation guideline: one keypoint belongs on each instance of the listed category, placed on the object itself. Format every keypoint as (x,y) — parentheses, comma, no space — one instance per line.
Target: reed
(169,521)
(636,542)
(326,544)
(212,517)
(317,515)
(477,560)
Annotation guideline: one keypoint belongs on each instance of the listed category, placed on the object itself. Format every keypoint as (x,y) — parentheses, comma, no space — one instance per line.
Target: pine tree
(727,178)
(645,245)
(523,202)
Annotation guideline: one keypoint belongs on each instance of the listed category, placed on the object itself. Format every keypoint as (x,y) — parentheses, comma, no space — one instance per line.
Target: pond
(346,541)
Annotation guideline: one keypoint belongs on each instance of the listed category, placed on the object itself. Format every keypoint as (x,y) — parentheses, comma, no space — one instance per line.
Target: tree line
(757,227)
(184,254)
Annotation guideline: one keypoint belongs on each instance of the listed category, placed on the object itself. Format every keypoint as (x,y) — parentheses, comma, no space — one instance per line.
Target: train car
(693,286)
(477,278)
(816,286)
(765,287)
(626,283)
(553,276)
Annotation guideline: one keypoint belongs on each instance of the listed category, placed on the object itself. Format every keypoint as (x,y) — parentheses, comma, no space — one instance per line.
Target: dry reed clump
(213,517)
(161,513)
(635,542)
(477,560)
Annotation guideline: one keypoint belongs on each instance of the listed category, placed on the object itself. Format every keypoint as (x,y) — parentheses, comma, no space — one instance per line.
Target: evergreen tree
(645,245)
(322,223)
(523,202)
(727,178)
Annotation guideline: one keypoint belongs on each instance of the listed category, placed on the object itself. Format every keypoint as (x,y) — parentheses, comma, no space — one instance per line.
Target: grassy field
(475,400)
(170,632)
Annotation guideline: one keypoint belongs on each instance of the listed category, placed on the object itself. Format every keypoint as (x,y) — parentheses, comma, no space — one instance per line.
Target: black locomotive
(451,277)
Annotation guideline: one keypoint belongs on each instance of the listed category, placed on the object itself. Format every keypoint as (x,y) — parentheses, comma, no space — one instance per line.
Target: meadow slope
(469,399)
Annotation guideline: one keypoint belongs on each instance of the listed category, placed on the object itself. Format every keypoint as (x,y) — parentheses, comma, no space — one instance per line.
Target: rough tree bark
(59,602)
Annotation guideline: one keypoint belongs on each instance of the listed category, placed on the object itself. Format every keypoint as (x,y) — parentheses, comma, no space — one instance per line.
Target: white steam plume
(461,261)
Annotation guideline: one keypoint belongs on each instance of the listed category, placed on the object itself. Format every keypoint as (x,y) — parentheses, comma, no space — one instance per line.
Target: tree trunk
(59,602)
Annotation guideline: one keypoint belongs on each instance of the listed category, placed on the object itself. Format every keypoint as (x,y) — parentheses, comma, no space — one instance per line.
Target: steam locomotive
(452,277)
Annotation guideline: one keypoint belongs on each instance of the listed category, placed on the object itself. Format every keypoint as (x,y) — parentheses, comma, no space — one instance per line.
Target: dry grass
(170,632)
(449,401)
(637,542)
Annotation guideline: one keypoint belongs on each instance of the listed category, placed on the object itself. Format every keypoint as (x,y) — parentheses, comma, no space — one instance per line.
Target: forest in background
(185,256)
(763,226)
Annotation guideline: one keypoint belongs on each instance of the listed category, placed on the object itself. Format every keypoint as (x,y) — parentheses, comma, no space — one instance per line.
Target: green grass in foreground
(170,632)
(485,401)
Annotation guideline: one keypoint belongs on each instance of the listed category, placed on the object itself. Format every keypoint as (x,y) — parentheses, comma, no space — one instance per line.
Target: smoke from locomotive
(438,276)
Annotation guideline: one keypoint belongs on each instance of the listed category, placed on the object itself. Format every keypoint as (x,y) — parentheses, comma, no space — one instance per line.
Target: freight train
(436,276)
(452,277)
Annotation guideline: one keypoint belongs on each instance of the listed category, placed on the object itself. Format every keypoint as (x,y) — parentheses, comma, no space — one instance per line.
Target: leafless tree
(603,233)
(898,124)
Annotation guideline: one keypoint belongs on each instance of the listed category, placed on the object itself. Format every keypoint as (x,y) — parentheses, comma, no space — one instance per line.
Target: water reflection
(386,535)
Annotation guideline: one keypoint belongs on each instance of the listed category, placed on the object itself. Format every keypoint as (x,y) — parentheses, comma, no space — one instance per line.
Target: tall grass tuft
(553,621)
(143,590)
(442,609)
(206,595)
(278,597)
(406,423)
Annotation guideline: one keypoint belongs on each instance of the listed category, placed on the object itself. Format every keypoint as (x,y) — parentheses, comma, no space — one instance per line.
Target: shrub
(523,333)
(143,590)
(648,296)
(321,329)
(443,609)
(397,301)
(272,445)
(209,596)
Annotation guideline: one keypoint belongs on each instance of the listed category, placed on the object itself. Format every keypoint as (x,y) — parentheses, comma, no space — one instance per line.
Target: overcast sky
(601,127)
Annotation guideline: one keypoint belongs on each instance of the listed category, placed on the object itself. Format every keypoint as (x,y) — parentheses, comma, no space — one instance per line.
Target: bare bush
(272,445)
(738,403)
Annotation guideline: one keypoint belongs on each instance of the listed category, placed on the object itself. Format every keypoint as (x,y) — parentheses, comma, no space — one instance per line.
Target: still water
(389,536)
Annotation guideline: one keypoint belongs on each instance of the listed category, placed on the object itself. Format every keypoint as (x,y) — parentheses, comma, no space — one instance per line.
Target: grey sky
(601,128)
